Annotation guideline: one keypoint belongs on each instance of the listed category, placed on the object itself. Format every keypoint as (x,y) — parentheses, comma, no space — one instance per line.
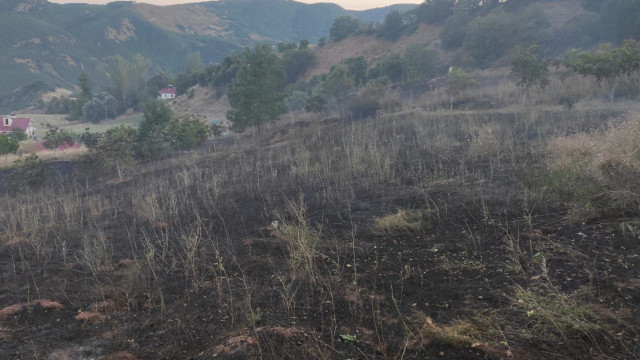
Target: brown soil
(202,102)
(374,49)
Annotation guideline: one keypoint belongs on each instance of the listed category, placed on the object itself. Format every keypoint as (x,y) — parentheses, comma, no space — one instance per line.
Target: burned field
(417,235)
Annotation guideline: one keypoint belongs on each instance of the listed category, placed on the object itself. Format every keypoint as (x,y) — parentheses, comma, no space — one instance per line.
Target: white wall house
(167,93)
(10,124)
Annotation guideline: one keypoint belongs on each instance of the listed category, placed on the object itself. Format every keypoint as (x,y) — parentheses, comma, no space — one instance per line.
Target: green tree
(454,30)
(315,104)
(90,139)
(57,138)
(8,145)
(116,148)
(489,36)
(27,172)
(84,83)
(303,44)
(357,69)
(296,62)
(529,69)
(467,6)
(391,67)
(607,64)
(194,63)
(119,70)
(532,26)
(342,27)
(393,25)
(151,139)
(101,106)
(457,81)
(286,46)
(187,133)
(139,71)
(322,41)
(255,91)
(420,63)
(338,84)
(296,100)
(85,86)
(18,134)
(127,77)
(434,11)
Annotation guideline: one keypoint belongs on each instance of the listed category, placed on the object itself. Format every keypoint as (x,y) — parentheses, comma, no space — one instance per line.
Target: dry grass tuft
(460,335)
(398,223)
(600,170)
(90,317)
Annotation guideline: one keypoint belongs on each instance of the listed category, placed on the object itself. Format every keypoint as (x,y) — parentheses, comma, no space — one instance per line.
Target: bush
(28,172)
(366,103)
(343,27)
(434,11)
(488,37)
(297,100)
(296,62)
(393,26)
(455,30)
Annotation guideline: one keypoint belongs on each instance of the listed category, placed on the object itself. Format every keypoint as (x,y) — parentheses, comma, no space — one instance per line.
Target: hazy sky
(347,4)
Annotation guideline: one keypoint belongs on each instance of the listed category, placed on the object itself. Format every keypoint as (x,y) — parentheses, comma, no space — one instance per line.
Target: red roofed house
(167,93)
(9,124)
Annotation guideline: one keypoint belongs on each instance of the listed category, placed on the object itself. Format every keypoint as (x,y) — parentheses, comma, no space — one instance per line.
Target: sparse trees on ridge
(607,64)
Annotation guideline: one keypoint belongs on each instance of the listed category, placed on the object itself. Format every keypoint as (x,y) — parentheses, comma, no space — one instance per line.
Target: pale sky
(347,4)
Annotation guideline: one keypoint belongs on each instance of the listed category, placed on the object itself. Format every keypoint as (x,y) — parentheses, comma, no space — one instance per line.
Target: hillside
(373,48)
(48,45)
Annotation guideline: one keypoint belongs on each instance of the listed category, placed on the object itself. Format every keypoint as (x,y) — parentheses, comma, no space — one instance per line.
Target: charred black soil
(414,236)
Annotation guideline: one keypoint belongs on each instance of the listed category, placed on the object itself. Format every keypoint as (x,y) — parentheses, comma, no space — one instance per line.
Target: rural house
(167,93)
(10,124)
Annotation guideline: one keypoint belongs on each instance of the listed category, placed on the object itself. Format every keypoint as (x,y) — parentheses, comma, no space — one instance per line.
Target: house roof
(169,90)
(16,123)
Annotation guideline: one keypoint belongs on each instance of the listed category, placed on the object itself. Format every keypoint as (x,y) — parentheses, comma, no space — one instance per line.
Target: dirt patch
(90,317)
(202,102)
(34,41)
(120,355)
(31,64)
(69,59)
(191,19)
(27,5)
(13,310)
(57,93)
(127,31)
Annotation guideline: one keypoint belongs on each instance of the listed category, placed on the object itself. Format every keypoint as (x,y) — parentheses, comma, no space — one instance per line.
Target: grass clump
(399,223)
(595,173)
(554,317)
(300,238)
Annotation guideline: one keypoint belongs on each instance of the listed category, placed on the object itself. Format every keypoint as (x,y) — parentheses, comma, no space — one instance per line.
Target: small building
(10,124)
(167,93)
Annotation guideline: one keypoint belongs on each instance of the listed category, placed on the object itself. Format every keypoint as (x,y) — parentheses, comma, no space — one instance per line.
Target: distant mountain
(48,45)
(284,20)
